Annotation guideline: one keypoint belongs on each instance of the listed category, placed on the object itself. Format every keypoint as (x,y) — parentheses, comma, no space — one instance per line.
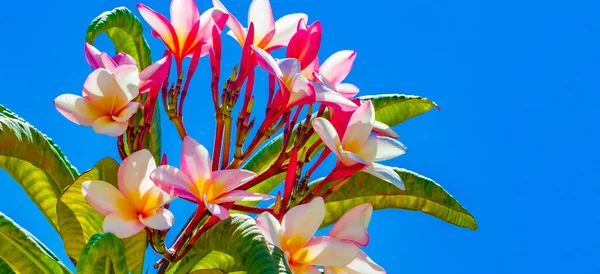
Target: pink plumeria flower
(352,227)
(333,71)
(196,181)
(187,30)
(298,89)
(151,76)
(106,104)
(356,147)
(268,34)
(295,237)
(136,204)
(305,45)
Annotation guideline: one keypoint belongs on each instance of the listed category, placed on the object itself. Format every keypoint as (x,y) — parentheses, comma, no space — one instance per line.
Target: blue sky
(516,141)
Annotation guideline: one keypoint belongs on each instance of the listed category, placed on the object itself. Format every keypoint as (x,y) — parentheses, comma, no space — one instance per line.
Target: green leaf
(421,194)
(104,253)
(125,31)
(153,140)
(21,252)
(391,109)
(35,162)
(78,221)
(243,249)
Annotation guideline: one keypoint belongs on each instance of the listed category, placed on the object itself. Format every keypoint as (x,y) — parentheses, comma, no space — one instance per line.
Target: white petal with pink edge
(269,227)
(301,222)
(126,112)
(162,219)
(267,62)
(359,127)
(173,181)
(327,133)
(184,13)
(261,15)
(242,196)
(338,66)
(347,90)
(161,26)
(285,28)
(380,128)
(352,225)
(134,177)
(326,251)
(216,210)
(228,179)
(195,160)
(106,125)
(77,109)
(124,226)
(385,173)
(105,198)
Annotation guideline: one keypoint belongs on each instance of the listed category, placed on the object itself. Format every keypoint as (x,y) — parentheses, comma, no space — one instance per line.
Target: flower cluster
(116,91)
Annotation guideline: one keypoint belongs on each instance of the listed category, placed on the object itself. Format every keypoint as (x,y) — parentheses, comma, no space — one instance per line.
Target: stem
(251,209)
(315,191)
(226,145)
(218,139)
(187,231)
(178,122)
(121,147)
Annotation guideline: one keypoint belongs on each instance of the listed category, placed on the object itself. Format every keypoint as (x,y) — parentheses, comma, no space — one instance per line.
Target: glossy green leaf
(391,109)
(421,194)
(21,252)
(78,221)
(243,249)
(125,31)
(104,253)
(35,162)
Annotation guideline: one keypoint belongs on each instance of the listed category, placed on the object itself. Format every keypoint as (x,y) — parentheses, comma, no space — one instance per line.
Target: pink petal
(106,125)
(359,127)
(267,62)
(133,177)
(301,222)
(127,112)
(161,26)
(385,173)
(184,14)
(128,78)
(332,98)
(352,225)
(123,58)
(285,28)
(289,67)
(107,62)
(228,179)
(261,15)
(301,91)
(195,161)
(347,90)
(173,181)
(269,227)
(363,264)
(77,109)
(237,30)
(209,19)
(105,198)
(241,196)
(338,66)
(312,67)
(155,74)
(382,129)
(326,251)
(102,90)
(162,219)
(327,133)
(217,210)
(124,226)
(92,55)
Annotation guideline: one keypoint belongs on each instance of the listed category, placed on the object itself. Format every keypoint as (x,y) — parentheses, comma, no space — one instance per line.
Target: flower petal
(127,111)
(332,98)
(349,159)
(352,225)
(184,14)
(195,161)
(162,219)
(161,26)
(326,251)
(217,210)
(267,62)
(301,222)
(384,148)
(123,58)
(106,125)
(107,62)
(237,30)
(105,198)
(327,133)
(128,78)
(173,181)
(290,67)
(338,66)
(385,173)
(304,269)
(124,226)
(102,89)
(155,74)
(92,55)
(269,227)
(363,264)
(77,109)
(359,127)
(225,180)
(285,28)
(133,177)
(301,91)
(382,129)
(241,196)
(347,90)
(261,15)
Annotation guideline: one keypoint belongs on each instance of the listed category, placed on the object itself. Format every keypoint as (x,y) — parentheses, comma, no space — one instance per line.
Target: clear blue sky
(516,141)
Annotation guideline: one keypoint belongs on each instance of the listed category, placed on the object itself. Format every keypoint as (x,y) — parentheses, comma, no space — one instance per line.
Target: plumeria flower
(333,71)
(352,227)
(352,144)
(196,181)
(187,30)
(151,76)
(305,45)
(297,88)
(136,204)
(106,104)
(295,237)
(268,34)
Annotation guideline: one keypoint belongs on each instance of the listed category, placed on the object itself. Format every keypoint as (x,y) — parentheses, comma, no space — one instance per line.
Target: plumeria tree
(109,215)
